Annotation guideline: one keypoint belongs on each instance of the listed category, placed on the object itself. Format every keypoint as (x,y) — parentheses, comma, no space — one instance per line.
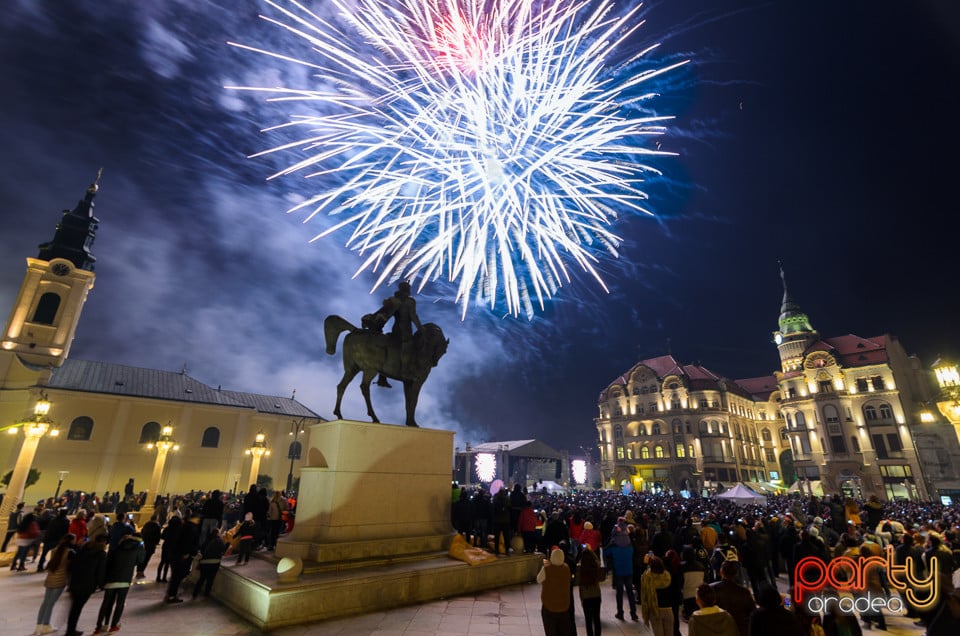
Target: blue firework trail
(488,143)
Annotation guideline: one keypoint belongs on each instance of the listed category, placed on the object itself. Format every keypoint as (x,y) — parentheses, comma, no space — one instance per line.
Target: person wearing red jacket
(527,526)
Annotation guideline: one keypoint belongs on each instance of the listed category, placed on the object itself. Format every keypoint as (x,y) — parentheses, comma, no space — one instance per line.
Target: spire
(75,233)
(792,320)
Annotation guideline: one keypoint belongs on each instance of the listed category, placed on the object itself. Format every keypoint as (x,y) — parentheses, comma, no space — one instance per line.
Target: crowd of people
(85,543)
(716,564)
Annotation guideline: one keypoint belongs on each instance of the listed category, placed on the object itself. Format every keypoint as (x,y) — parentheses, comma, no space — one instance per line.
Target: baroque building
(107,413)
(843,414)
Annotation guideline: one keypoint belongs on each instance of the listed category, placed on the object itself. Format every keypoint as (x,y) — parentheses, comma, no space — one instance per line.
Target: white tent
(742,495)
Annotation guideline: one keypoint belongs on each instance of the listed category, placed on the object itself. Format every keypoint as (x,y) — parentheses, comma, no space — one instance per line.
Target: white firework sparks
(488,142)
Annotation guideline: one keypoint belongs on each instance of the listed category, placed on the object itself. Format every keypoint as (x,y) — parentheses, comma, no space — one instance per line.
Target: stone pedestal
(371,491)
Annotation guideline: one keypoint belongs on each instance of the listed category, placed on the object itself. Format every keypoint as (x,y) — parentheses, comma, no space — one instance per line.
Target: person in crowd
(591,537)
(150,533)
(501,522)
(246,533)
(733,597)
(655,598)
(875,581)
(78,527)
(122,560)
(590,579)
(839,623)
(86,576)
(671,561)
(554,580)
(275,518)
(771,617)
(58,528)
(98,525)
(693,572)
(170,536)
(518,501)
(28,531)
(527,525)
(481,510)
(710,620)
(211,553)
(13,521)
(212,513)
(182,556)
(939,559)
(55,581)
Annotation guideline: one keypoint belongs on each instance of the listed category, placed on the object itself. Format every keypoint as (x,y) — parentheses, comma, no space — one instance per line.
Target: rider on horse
(403,309)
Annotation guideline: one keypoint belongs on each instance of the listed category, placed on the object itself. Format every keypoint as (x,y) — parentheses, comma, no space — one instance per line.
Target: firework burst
(491,143)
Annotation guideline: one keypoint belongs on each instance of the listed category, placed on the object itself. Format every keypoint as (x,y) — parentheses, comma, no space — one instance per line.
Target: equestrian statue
(400,355)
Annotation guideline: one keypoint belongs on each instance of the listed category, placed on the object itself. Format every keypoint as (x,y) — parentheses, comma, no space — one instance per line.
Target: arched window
(789,420)
(644,452)
(681,451)
(869,413)
(767,437)
(830,414)
(656,428)
(211,437)
(885,412)
(658,452)
(690,451)
(641,430)
(149,433)
(784,436)
(629,452)
(46,309)
(801,421)
(80,429)
(677,427)
(703,426)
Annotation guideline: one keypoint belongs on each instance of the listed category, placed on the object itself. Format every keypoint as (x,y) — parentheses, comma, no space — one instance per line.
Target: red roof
(854,351)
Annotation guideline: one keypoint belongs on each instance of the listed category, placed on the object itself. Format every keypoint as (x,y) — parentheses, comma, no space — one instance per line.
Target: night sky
(820,134)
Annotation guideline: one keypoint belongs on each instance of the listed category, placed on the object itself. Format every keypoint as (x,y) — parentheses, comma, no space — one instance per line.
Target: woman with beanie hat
(554,577)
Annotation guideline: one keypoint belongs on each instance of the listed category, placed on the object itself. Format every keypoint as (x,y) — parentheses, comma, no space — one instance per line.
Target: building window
(837,445)
(658,452)
(770,454)
(690,451)
(644,452)
(855,443)
(877,383)
(702,403)
(619,452)
(886,413)
(831,415)
(870,413)
(653,407)
(675,404)
(894,443)
(656,428)
(801,422)
(617,411)
(677,427)
(47,307)
(80,429)
(641,430)
(767,436)
(618,433)
(629,452)
(211,438)
(681,451)
(826,386)
(640,409)
(861,384)
(879,446)
(791,392)
(150,433)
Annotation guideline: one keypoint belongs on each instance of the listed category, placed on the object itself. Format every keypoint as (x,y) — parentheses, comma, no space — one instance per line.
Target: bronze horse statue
(372,352)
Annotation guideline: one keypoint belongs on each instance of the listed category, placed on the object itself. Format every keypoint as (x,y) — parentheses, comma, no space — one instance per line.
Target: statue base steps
(326,592)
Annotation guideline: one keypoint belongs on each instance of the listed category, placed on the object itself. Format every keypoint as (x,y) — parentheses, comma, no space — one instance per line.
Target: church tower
(795,333)
(41,326)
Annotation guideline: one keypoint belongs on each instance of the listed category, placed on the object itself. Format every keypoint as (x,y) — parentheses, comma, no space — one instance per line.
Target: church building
(110,416)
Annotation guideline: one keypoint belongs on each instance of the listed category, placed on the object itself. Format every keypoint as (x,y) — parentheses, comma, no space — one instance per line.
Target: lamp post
(295,449)
(33,430)
(257,450)
(61,475)
(164,444)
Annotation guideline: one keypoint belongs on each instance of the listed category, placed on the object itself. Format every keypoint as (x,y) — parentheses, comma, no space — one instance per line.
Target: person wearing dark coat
(87,574)
(169,535)
(150,533)
(181,557)
(56,530)
(772,617)
(121,562)
(733,597)
(210,555)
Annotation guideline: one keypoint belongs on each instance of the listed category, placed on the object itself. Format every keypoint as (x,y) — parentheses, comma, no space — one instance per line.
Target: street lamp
(295,449)
(257,450)
(164,444)
(61,475)
(33,429)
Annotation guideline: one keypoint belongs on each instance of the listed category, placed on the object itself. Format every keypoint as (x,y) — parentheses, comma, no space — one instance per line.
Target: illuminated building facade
(843,414)
(107,413)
